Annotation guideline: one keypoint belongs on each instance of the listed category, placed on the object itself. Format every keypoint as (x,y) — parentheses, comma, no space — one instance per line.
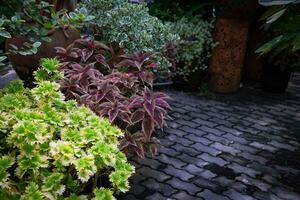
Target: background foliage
(130,26)
(194,48)
(193,22)
(173,10)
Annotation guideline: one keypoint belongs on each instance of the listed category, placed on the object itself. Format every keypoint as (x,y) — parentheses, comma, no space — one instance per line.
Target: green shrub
(130,26)
(194,48)
(173,10)
(53,149)
(8,8)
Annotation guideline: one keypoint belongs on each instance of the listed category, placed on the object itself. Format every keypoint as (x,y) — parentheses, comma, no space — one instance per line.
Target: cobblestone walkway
(225,147)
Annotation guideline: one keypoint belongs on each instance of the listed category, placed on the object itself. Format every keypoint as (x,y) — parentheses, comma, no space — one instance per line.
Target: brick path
(243,146)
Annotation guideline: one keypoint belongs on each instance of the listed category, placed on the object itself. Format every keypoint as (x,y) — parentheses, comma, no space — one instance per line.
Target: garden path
(242,146)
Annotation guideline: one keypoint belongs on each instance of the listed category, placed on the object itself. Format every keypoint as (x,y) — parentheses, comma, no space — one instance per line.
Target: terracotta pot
(228,57)
(26,65)
(231,33)
(238,10)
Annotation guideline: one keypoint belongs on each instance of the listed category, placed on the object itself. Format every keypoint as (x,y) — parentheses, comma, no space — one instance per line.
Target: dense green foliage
(130,26)
(8,8)
(53,149)
(194,48)
(193,23)
(173,10)
(3,35)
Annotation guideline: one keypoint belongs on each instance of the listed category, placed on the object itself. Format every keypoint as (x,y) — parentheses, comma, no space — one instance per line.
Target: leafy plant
(117,92)
(36,20)
(54,149)
(150,109)
(174,10)
(194,48)
(282,23)
(140,65)
(8,8)
(131,27)
(3,35)
(49,70)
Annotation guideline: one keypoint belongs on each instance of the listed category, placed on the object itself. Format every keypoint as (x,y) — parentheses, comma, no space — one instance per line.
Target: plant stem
(95,180)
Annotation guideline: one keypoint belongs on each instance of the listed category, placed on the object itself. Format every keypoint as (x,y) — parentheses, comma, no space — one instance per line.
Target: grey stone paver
(206,194)
(183,195)
(242,146)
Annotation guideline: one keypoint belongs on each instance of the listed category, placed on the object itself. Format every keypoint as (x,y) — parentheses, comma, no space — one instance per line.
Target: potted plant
(36,29)
(281,51)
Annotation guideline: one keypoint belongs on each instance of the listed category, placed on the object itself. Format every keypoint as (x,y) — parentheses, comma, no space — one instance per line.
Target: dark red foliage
(121,92)
(150,109)
(140,64)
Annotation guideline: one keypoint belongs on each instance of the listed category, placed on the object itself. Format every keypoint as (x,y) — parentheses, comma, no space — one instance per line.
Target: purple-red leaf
(137,101)
(159,119)
(112,114)
(148,126)
(162,103)
(137,116)
(149,107)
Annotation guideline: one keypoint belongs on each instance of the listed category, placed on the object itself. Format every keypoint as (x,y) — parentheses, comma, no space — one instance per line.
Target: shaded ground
(243,146)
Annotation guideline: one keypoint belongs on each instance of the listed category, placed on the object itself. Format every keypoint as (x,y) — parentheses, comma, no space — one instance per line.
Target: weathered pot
(228,57)
(231,34)
(26,65)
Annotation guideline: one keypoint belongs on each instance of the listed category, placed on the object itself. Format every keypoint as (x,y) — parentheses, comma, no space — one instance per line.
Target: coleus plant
(54,149)
(87,50)
(150,109)
(140,65)
(116,86)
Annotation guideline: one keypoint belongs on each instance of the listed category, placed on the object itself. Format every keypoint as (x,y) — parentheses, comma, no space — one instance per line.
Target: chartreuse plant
(53,149)
(49,71)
